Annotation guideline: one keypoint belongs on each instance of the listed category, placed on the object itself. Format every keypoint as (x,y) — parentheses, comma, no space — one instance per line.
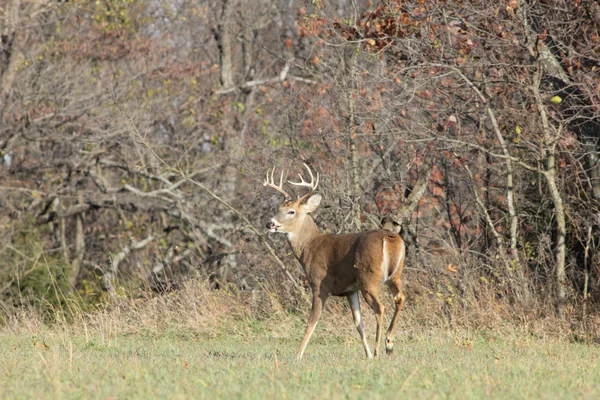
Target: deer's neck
(300,240)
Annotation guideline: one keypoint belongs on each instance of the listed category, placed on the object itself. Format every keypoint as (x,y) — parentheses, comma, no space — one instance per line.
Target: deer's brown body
(326,264)
(343,264)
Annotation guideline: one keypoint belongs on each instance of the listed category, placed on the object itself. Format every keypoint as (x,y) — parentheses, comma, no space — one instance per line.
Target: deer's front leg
(315,313)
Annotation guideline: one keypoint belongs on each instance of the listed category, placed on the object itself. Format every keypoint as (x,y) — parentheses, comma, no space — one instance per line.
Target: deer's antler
(312,185)
(270,182)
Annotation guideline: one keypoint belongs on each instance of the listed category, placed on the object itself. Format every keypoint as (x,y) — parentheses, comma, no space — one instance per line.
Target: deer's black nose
(270,225)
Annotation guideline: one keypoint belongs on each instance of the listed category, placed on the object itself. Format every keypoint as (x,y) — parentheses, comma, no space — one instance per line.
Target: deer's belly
(346,289)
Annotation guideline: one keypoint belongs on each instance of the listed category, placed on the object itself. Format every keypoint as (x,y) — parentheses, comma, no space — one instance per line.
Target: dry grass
(195,342)
(195,310)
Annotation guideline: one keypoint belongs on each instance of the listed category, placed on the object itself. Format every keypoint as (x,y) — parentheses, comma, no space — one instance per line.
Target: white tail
(340,265)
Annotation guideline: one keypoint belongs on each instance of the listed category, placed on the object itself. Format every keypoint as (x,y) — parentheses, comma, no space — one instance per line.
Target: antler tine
(312,185)
(281,179)
(271,183)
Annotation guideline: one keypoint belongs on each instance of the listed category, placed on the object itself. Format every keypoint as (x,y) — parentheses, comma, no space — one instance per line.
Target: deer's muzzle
(272,226)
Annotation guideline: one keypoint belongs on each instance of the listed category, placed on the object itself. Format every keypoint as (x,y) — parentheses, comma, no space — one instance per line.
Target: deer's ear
(312,203)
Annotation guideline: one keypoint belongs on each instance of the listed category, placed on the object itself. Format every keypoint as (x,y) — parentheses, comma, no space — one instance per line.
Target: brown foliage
(113,113)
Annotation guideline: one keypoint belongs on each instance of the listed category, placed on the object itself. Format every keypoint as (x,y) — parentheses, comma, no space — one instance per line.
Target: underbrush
(196,310)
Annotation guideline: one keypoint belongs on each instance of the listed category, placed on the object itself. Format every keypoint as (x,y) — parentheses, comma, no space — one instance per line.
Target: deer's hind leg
(355,307)
(371,297)
(395,284)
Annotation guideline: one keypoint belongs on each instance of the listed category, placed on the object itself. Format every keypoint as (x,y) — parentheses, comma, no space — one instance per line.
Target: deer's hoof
(389,346)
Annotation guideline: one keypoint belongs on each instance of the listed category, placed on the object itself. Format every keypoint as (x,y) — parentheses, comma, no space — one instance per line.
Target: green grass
(440,365)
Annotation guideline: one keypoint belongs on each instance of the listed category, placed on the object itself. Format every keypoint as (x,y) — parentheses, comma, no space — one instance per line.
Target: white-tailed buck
(340,265)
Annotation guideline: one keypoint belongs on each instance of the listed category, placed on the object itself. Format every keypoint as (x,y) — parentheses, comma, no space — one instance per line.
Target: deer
(340,264)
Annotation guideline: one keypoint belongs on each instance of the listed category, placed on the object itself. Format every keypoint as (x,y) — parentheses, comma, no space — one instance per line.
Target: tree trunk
(510,203)
(549,174)
(561,231)
(356,192)
(350,60)
(223,36)
(488,222)
(79,244)
(403,214)
(10,56)
(510,189)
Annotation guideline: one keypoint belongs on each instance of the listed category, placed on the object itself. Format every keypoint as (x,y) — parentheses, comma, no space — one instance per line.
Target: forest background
(135,137)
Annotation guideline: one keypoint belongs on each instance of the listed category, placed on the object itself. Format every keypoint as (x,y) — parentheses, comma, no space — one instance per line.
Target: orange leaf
(452,268)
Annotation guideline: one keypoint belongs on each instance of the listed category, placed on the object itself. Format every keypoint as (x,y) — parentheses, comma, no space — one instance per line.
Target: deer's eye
(291,212)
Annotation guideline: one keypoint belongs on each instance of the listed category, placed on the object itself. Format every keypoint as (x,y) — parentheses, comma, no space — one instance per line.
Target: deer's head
(293,213)
(388,223)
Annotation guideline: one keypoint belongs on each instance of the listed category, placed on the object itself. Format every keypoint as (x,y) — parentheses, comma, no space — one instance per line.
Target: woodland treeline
(135,137)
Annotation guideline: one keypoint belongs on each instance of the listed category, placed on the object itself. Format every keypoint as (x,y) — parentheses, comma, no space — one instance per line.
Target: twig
(184,176)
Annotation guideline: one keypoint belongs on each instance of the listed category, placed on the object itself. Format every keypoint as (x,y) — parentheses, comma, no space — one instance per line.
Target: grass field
(56,364)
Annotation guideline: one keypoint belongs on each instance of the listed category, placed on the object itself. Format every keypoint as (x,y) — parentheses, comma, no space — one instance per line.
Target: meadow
(250,359)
